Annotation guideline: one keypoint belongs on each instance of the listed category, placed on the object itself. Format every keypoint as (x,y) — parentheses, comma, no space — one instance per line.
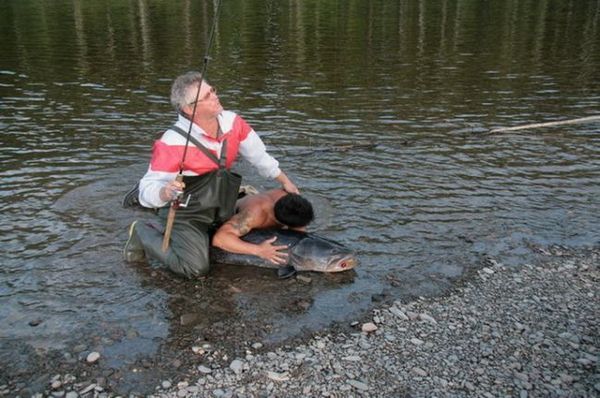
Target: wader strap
(223,160)
(205,150)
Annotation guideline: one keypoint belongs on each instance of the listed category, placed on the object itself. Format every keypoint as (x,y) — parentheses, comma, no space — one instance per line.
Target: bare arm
(228,239)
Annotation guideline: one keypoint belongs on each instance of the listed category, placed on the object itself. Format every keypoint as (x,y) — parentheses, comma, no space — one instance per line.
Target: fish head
(315,253)
(343,262)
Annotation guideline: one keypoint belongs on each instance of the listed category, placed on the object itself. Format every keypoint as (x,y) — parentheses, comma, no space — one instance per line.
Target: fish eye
(343,264)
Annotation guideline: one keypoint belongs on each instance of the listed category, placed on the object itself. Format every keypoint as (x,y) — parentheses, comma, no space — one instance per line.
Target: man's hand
(171,190)
(286,184)
(271,252)
(289,187)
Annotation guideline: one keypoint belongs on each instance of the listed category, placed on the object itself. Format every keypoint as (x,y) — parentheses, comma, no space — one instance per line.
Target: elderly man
(209,188)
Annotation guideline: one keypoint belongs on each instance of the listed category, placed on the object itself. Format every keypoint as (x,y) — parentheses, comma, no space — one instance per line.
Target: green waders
(210,201)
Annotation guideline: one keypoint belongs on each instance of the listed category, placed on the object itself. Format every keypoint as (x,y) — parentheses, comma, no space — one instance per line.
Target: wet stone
(369,327)
(304,279)
(92,357)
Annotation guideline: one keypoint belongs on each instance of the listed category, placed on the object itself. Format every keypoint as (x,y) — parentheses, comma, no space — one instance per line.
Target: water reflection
(412,88)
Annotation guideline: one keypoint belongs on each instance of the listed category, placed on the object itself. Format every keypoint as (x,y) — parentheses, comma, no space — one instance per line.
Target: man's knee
(189,252)
(191,268)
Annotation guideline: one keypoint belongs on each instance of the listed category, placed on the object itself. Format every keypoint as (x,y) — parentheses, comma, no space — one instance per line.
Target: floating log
(547,124)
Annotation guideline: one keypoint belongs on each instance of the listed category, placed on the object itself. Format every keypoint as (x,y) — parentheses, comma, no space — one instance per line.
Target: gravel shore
(530,331)
(527,331)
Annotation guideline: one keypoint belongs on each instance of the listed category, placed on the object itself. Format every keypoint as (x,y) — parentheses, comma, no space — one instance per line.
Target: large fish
(307,252)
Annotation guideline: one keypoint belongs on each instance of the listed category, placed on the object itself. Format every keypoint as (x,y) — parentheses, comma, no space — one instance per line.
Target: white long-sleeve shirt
(168,151)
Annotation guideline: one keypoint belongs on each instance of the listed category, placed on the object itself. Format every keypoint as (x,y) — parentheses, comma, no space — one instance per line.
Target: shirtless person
(275,208)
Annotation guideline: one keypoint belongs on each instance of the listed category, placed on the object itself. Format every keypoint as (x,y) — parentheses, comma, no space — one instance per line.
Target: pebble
(257,346)
(521,376)
(427,318)
(416,341)
(284,376)
(570,337)
(419,372)
(166,384)
(237,366)
(303,278)
(413,316)
(399,314)
(390,337)
(93,357)
(87,389)
(369,327)
(204,369)
(358,385)
(523,394)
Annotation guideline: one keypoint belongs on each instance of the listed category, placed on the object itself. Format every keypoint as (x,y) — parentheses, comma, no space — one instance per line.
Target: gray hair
(184,89)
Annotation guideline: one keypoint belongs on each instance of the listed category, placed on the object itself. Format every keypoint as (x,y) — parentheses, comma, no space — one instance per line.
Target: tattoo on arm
(241,223)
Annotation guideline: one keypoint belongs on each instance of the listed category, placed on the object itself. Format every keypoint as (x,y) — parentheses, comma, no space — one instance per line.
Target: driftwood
(548,124)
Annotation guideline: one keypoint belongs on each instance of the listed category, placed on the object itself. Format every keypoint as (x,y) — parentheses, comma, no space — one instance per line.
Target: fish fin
(286,272)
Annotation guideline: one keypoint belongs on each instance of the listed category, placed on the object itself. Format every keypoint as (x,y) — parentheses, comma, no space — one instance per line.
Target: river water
(380,111)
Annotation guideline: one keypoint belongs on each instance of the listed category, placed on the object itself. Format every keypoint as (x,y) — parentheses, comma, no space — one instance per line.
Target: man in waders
(209,189)
(272,209)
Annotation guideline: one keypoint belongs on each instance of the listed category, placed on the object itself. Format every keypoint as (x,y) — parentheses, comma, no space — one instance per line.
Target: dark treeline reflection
(63,40)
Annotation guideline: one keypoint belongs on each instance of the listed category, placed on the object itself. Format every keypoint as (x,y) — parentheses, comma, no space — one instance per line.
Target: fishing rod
(176,202)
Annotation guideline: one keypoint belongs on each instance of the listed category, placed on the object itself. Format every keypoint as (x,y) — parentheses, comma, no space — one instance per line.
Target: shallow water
(424,193)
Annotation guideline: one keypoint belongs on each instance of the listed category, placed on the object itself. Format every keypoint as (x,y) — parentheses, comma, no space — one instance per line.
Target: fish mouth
(343,264)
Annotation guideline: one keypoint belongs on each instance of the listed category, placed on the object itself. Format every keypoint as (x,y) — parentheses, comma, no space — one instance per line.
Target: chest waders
(209,200)
(210,197)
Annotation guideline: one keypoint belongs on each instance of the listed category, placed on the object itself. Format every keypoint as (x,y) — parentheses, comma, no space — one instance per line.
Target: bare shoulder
(261,201)
(241,223)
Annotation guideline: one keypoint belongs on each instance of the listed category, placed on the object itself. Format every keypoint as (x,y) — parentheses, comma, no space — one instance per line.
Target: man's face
(208,104)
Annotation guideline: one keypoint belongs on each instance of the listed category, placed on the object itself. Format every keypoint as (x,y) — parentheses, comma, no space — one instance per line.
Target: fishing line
(202,74)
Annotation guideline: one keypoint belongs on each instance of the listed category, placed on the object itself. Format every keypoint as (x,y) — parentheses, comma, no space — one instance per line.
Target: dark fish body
(306,252)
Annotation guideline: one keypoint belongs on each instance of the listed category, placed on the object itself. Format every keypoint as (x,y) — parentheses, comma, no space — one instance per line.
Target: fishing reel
(178,202)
